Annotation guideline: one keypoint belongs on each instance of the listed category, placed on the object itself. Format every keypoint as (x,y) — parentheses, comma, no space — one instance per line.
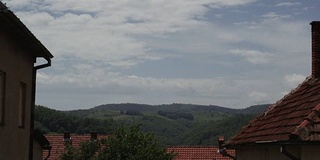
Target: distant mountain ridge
(173,124)
(255,109)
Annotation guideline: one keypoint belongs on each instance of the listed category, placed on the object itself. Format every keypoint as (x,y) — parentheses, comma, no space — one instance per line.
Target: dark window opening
(22,104)
(2,97)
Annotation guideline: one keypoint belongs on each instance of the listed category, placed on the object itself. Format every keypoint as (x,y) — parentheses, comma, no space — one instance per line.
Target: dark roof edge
(45,53)
(186,146)
(313,22)
(3,6)
(271,143)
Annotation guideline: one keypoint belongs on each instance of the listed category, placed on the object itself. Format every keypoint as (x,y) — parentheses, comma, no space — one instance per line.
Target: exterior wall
(37,151)
(310,152)
(266,153)
(17,65)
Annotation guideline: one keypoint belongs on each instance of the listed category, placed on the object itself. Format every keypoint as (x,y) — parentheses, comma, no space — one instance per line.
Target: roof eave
(39,50)
(270,143)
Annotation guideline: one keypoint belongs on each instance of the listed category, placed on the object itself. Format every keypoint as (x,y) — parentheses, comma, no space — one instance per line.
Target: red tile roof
(58,145)
(294,117)
(198,153)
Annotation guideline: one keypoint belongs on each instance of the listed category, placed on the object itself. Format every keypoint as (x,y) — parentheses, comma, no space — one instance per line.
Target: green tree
(86,151)
(126,144)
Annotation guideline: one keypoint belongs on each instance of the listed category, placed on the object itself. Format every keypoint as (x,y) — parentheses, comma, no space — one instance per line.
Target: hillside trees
(208,133)
(50,120)
(176,115)
(175,124)
(133,112)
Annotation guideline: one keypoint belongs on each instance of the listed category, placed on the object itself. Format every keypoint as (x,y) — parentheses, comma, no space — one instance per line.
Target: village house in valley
(60,142)
(289,129)
(19,52)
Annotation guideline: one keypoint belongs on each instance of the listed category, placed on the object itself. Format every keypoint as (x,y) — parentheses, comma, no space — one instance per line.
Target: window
(22,104)
(2,96)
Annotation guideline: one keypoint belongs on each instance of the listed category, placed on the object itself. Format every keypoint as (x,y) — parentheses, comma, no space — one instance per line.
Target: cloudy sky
(233,53)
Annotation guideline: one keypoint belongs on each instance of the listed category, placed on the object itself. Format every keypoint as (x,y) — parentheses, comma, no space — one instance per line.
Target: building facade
(19,50)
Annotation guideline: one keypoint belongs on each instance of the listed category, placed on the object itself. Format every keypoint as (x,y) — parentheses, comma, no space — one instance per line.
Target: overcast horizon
(231,53)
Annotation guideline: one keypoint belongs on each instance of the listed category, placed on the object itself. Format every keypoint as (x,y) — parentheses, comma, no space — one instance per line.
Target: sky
(231,53)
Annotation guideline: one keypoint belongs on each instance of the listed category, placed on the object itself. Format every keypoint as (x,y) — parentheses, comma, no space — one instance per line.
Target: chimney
(315,48)
(66,136)
(221,142)
(223,150)
(94,136)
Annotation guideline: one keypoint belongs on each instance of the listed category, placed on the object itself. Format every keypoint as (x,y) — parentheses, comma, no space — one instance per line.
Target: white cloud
(225,91)
(252,56)
(288,4)
(294,80)
(224,3)
(101,47)
(259,97)
(293,35)
(273,16)
(110,83)
(106,30)
(284,93)
(37,19)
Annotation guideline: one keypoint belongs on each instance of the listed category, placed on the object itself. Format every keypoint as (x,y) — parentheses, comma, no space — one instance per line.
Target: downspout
(223,151)
(284,151)
(49,153)
(33,103)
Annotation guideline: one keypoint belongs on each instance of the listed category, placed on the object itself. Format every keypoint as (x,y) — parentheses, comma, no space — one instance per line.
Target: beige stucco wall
(302,152)
(18,66)
(266,153)
(310,152)
(37,151)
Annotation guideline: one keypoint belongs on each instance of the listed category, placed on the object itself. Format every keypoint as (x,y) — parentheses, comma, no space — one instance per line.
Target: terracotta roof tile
(198,152)
(295,114)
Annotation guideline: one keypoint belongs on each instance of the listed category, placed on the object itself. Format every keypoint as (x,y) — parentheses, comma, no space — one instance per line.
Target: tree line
(52,121)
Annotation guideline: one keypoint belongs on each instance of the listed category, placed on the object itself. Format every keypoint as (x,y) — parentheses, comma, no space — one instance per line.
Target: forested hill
(173,124)
(175,107)
(183,107)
